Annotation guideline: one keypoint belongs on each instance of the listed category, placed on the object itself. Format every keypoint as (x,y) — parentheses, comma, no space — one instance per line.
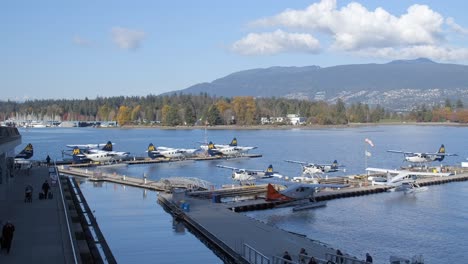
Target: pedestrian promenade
(41,234)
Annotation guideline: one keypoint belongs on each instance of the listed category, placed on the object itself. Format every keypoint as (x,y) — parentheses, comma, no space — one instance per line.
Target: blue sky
(64,49)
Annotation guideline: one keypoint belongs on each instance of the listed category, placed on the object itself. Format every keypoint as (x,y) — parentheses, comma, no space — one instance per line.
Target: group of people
(303,257)
(28,191)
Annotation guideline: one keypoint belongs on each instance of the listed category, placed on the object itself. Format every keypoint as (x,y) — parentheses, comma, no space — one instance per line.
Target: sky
(79,49)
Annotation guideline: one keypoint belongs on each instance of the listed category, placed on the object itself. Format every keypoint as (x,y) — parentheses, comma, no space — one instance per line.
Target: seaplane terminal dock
(212,214)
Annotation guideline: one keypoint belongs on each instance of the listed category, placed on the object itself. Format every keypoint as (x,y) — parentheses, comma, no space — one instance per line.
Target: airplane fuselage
(421,158)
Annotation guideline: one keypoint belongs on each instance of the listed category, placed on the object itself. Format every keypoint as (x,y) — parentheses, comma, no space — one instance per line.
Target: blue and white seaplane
(170,153)
(424,157)
(226,150)
(81,157)
(249,175)
(22,158)
(102,149)
(402,180)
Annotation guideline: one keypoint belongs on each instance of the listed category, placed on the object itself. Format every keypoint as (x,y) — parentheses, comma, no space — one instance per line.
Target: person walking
(7,235)
(48,160)
(45,188)
(339,256)
(286,256)
(302,256)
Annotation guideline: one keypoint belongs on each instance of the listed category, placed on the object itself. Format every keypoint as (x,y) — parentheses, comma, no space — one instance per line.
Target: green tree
(213,117)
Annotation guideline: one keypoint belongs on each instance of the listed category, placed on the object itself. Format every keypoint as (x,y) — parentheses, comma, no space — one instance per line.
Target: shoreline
(289,127)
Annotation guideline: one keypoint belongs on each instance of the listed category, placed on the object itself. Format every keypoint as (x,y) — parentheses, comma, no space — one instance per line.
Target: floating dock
(239,238)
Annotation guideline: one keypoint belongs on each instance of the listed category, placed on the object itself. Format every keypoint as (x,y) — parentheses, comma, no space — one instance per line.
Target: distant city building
(296,119)
(292,119)
(320,96)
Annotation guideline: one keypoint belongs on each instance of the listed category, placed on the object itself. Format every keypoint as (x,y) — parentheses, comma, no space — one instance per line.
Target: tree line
(202,109)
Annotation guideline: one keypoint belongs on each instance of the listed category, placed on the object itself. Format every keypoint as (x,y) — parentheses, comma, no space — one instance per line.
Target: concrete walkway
(41,234)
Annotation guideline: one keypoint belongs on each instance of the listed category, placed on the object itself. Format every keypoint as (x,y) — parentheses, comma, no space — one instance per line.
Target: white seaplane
(248,175)
(226,150)
(402,180)
(102,149)
(424,157)
(171,153)
(314,168)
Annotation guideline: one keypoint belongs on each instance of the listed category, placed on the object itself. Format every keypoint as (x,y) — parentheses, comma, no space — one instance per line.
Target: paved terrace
(41,234)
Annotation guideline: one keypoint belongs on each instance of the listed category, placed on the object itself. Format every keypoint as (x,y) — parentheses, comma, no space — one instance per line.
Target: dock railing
(65,211)
(253,256)
(340,259)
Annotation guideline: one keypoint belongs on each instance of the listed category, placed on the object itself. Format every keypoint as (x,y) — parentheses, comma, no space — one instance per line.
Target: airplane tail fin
(77,154)
(269,170)
(441,150)
(233,142)
(108,146)
(274,195)
(212,149)
(151,151)
(27,152)
(334,165)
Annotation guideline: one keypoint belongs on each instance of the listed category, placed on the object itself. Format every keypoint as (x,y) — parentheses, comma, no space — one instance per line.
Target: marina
(220,193)
(199,209)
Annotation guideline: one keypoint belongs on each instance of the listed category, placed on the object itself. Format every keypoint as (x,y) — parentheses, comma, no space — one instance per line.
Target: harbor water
(138,230)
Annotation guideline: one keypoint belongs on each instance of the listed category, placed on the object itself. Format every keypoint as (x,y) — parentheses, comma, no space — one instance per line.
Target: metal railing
(65,210)
(340,259)
(254,256)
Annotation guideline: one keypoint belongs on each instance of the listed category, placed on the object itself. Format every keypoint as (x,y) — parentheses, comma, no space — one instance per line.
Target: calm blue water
(431,223)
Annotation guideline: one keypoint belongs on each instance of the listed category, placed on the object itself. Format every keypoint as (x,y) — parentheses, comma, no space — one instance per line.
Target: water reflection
(178,226)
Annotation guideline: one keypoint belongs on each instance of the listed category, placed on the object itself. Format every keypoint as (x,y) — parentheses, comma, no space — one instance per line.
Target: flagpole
(365,157)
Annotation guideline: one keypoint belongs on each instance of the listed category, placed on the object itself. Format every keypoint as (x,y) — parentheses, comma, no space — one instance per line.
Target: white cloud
(81,41)
(354,27)
(127,38)
(275,42)
(459,29)
(419,32)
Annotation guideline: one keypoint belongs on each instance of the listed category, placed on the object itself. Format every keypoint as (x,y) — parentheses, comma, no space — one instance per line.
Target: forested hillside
(189,110)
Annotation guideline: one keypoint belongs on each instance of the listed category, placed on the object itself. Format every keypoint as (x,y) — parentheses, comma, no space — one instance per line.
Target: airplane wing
(87,146)
(297,162)
(226,167)
(164,148)
(290,183)
(383,170)
(402,152)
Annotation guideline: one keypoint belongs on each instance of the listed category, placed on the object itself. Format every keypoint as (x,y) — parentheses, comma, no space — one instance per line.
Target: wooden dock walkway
(243,239)
(166,184)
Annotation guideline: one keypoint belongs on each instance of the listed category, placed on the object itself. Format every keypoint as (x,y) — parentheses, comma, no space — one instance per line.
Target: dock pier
(234,237)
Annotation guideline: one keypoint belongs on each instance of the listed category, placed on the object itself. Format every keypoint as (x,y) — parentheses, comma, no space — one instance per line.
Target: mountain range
(397,85)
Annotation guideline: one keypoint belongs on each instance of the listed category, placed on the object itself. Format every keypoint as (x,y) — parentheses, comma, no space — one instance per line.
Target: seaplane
(424,157)
(88,146)
(248,175)
(298,195)
(230,150)
(101,148)
(311,171)
(171,153)
(24,156)
(81,157)
(108,148)
(313,168)
(402,180)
